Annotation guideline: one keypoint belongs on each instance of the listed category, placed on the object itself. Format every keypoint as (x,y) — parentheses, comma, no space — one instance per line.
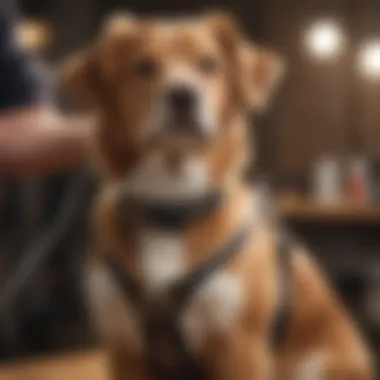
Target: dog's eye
(208,65)
(145,67)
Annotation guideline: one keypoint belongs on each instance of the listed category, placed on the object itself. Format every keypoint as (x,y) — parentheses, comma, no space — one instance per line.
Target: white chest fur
(163,259)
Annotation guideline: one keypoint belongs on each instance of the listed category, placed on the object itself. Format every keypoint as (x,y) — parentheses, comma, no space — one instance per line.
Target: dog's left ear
(261,72)
(258,71)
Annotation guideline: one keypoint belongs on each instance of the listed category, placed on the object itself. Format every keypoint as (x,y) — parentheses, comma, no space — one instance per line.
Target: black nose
(181,101)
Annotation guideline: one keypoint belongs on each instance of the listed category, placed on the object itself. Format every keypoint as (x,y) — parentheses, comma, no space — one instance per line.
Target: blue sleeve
(19,82)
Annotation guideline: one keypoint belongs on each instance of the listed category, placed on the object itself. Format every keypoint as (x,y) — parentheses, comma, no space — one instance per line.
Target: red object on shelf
(358,186)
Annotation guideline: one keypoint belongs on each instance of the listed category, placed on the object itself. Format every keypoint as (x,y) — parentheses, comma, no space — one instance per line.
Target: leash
(43,247)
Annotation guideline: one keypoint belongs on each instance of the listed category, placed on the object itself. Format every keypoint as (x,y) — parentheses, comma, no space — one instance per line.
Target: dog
(184,276)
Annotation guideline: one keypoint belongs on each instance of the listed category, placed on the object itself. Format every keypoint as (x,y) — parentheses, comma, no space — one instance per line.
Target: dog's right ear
(78,76)
(83,75)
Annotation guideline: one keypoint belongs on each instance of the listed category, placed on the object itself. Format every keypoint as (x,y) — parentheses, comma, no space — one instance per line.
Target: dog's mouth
(181,135)
(187,130)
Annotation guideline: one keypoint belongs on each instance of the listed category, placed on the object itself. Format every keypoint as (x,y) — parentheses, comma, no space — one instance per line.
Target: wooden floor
(85,366)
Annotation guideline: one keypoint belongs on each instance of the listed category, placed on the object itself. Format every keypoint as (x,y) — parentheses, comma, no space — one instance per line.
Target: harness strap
(128,285)
(160,315)
(182,291)
(179,292)
(283,316)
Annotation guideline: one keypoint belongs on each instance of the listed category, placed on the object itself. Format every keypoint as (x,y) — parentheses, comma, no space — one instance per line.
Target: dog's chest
(162,259)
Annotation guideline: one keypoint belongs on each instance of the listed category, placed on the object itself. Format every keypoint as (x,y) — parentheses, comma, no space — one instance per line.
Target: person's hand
(41,141)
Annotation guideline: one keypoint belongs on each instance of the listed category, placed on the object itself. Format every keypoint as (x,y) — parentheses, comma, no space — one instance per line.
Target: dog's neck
(154,197)
(221,211)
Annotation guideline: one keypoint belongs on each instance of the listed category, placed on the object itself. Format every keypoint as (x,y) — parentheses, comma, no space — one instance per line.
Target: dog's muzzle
(183,106)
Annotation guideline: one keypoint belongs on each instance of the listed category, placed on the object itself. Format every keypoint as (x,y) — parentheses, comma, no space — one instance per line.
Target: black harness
(173,215)
(160,315)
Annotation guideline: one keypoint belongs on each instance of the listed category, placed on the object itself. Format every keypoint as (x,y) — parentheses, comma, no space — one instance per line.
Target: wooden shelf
(303,209)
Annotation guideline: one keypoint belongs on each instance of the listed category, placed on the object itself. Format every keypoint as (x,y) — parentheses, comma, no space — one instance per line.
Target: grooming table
(90,365)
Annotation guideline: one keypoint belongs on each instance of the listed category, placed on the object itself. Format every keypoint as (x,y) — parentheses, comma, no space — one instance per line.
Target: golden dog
(172,98)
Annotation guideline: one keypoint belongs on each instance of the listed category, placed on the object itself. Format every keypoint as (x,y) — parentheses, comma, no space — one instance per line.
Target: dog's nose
(181,100)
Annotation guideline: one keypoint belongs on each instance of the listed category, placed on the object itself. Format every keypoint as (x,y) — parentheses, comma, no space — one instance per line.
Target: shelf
(303,209)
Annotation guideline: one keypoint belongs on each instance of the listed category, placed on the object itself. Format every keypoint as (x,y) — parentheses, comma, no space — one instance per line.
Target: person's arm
(36,141)
(33,140)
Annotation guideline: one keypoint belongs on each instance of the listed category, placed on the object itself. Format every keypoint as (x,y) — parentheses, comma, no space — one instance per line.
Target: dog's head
(171,87)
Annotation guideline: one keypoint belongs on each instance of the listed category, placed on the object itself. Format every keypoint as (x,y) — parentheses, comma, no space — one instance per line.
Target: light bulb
(369,59)
(324,39)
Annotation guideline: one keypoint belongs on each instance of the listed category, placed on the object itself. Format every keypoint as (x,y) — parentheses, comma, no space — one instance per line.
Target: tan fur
(319,323)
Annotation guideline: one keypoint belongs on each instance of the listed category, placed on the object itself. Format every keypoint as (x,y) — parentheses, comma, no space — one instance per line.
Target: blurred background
(318,148)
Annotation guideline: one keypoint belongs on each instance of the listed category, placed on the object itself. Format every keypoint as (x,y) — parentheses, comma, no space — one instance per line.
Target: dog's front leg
(241,358)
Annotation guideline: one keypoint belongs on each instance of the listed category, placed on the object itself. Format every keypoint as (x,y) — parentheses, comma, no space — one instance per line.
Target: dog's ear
(261,72)
(78,77)
(258,71)
(226,30)
(82,75)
